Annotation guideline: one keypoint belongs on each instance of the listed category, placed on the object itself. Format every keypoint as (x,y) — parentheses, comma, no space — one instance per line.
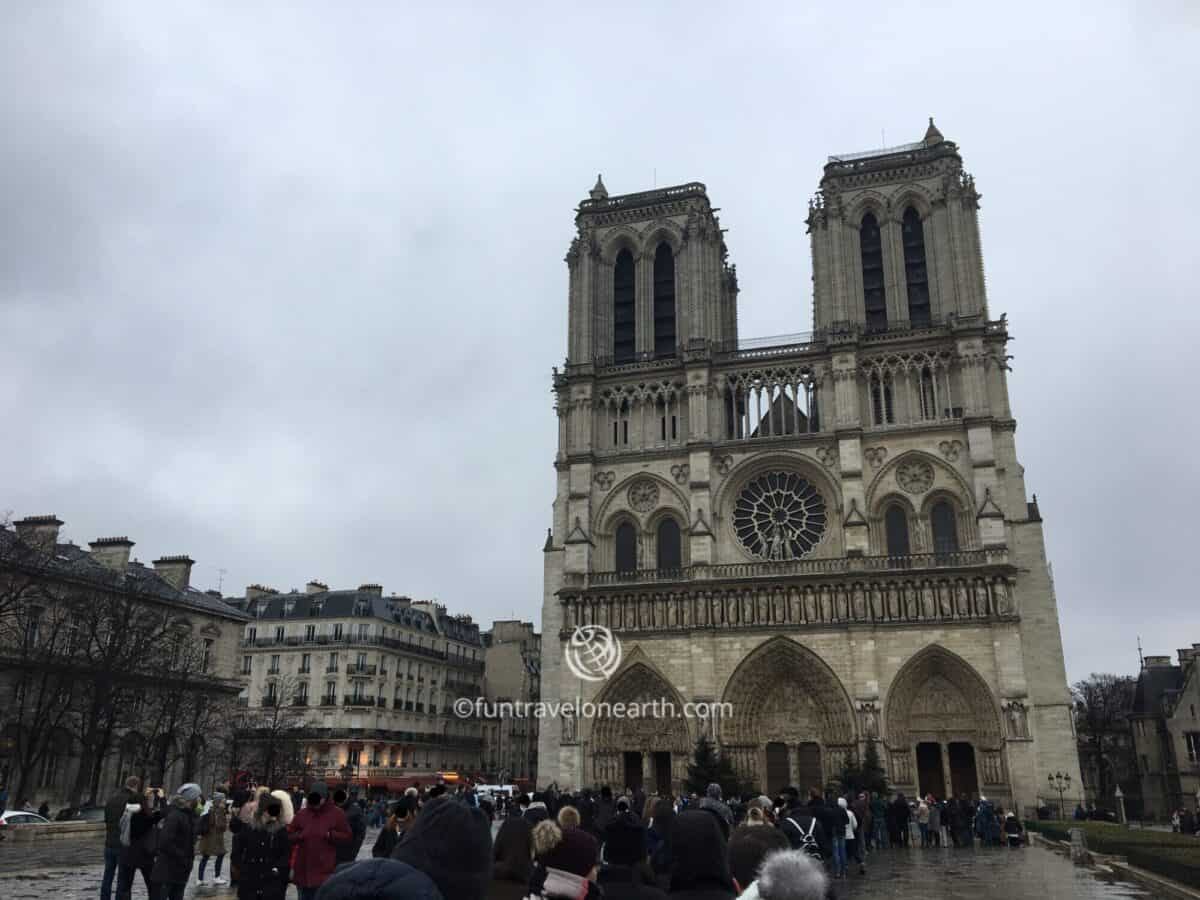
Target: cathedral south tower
(828,533)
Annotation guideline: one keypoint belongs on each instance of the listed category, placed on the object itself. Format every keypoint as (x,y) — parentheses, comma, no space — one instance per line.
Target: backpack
(125,826)
(205,824)
(808,843)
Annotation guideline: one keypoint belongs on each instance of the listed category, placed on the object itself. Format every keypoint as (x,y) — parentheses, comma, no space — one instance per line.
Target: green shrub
(1176,863)
(1174,856)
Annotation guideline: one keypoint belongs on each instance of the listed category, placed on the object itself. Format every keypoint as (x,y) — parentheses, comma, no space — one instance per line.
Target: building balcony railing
(331,670)
(955,559)
(357,669)
(351,700)
(299,701)
(329,701)
(346,640)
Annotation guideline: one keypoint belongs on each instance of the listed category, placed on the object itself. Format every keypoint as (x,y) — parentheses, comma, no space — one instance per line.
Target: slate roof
(356,603)
(73,562)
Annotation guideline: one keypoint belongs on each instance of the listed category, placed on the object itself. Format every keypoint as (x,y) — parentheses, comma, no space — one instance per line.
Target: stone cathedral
(829,531)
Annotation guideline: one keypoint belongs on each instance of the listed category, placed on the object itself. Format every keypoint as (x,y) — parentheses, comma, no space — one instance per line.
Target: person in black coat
(138,856)
(403,813)
(700,864)
(626,875)
(357,821)
(176,844)
(261,852)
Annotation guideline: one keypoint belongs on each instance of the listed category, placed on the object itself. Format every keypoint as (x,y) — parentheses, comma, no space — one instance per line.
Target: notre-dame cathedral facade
(829,531)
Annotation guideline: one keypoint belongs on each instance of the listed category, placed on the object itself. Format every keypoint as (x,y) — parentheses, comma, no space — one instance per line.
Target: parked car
(90,814)
(16,817)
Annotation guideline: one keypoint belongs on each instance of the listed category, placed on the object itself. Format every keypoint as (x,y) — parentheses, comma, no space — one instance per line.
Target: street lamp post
(1120,796)
(1061,783)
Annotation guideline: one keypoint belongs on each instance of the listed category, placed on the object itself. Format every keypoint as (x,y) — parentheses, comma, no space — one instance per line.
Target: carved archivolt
(667,731)
(783,691)
(938,696)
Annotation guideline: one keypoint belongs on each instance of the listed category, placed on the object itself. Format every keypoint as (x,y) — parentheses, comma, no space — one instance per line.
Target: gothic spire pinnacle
(932,135)
(599,192)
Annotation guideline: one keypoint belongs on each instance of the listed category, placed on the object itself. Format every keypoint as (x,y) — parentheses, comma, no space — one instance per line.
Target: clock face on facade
(779,516)
(915,476)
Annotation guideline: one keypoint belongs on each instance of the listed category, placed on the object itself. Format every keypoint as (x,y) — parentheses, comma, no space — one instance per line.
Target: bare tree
(274,734)
(1102,706)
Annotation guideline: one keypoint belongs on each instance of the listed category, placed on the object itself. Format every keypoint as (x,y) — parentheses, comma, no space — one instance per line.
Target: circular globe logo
(593,652)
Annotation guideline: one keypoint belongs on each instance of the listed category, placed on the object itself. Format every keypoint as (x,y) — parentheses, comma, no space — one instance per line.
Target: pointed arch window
(928,394)
(944,527)
(916,274)
(883,411)
(669,551)
(664,301)
(624,313)
(895,525)
(626,548)
(871,248)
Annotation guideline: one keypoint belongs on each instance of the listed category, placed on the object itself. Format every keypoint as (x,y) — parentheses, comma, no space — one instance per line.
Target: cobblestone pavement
(72,870)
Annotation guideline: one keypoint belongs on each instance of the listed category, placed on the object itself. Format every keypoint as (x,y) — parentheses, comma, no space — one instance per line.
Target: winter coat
(385,843)
(316,832)
(935,817)
(261,854)
(113,810)
(212,841)
(627,883)
(143,839)
(348,852)
(505,887)
(556,884)
(176,845)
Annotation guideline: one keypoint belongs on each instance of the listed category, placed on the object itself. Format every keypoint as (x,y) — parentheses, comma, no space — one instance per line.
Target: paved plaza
(71,871)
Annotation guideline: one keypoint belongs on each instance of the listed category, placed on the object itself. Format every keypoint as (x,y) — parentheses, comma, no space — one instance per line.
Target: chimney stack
(376,589)
(112,552)
(39,531)
(315,587)
(175,570)
(254,591)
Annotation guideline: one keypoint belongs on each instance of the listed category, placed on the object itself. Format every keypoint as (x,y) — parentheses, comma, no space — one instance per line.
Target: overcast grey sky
(281,286)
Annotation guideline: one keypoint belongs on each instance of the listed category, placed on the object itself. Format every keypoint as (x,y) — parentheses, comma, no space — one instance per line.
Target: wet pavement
(71,870)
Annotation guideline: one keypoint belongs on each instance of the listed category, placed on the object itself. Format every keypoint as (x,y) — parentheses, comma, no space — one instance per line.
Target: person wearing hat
(213,825)
(451,843)
(700,862)
(316,831)
(625,874)
(566,863)
(512,860)
(176,844)
(380,879)
(261,851)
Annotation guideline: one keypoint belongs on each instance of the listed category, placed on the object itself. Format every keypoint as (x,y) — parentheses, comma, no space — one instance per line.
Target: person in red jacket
(314,831)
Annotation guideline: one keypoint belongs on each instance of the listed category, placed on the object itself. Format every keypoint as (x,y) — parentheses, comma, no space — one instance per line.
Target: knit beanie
(189,792)
(452,844)
(573,850)
(379,879)
(624,842)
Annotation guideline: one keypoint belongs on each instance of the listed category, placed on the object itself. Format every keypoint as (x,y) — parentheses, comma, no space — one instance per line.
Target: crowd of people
(437,843)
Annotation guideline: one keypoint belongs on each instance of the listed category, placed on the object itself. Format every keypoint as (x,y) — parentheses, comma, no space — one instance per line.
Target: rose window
(779,515)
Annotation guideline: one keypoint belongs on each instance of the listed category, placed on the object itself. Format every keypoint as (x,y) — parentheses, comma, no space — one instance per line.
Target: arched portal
(943,728)
(784,697)
(650,750)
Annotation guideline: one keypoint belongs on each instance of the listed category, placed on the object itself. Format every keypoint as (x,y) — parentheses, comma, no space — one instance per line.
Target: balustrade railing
(955,559)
